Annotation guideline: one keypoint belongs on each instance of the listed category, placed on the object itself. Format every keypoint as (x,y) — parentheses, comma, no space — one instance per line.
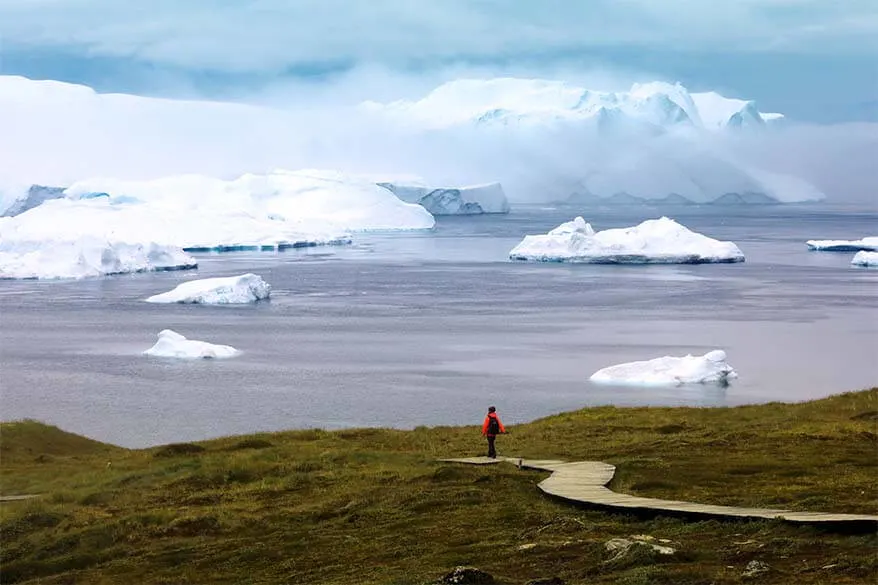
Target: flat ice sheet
(868,244)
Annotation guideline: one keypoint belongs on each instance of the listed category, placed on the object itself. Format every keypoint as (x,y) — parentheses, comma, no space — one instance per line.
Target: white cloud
(271,35)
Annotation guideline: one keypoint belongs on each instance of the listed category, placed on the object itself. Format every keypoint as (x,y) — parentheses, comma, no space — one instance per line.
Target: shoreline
(277,507)
(259,432)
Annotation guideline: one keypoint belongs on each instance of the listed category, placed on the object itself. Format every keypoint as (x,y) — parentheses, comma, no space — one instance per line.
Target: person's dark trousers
(491,451)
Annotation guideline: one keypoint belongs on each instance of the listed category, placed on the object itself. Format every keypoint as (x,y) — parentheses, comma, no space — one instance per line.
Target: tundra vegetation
(375,506)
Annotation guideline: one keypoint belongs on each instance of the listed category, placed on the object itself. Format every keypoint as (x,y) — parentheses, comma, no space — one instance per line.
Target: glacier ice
(716,112)
(869,244)
(711,368)
(196,213)
(655,241)
(173,345)
(466,200)
(540,139)
(865,258)
(329,200)
(226,290)
(27,199)
(517,101)
(86,257)
(655,140)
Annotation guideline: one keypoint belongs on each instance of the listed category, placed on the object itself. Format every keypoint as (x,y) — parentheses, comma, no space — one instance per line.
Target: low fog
(56,134)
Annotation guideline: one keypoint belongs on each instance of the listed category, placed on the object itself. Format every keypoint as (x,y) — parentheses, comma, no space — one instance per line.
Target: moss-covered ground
(374,506)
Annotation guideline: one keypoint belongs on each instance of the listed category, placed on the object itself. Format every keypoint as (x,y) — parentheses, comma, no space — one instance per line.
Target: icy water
(431,328)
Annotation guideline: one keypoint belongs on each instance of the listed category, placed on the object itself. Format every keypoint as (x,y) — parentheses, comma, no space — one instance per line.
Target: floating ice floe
(86,257)
(173,345)
(246,288)
(711,368)
(469,200)
(869,244)
(864,258)
(655,241)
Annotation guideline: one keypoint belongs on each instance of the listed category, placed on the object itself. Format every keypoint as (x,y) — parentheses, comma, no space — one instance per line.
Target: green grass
(374,506)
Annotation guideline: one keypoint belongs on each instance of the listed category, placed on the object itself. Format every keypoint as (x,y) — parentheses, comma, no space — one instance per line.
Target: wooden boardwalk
(584,482)
(18,498)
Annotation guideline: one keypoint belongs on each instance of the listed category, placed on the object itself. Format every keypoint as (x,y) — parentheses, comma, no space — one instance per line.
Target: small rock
(755,569)
(647,539)
(528,546)
(615,544)
(622,546)
(546,581)
(467,576)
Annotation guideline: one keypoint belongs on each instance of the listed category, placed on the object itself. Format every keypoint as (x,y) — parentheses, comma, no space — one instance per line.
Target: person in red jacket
(491,428)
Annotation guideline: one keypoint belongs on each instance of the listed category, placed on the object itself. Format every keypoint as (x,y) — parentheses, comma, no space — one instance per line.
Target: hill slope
(374,505)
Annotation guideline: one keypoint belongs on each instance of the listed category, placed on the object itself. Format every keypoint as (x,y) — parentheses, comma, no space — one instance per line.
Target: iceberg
(651,141)
(86,257)
(534,136)
(655,241)
(173,345)
(32,197)
(194,230)
(718,112)
(246,288)
(308,198)
(468,200)
(864,258)
(869,244)
(279,210)
(711,368)
(515,101)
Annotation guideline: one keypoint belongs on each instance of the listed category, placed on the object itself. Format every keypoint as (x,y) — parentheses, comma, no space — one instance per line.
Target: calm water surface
(430,328)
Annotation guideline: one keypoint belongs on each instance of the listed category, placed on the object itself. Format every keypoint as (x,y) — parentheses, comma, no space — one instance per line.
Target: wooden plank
(584,482)
(473,460)
(18,498)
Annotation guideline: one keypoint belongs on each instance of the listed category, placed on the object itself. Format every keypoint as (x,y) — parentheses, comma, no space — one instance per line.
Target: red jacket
(485,424)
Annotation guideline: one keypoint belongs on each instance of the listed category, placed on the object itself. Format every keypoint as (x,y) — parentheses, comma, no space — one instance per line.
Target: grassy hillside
(374,506)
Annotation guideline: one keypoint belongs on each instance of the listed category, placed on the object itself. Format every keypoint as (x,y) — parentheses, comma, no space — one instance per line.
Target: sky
(814,60)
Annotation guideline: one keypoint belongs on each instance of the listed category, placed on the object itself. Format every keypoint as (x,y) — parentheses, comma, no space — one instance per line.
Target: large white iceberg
(228,290)
(86,257)
(650,142)
(534,136)
(467,200)
(711,368)
(869,244)
(305,199)
(173,345)
(865,258)
(518,101)
(655,241)
(278,210)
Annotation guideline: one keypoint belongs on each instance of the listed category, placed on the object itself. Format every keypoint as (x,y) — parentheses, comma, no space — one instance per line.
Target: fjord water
(430,328)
